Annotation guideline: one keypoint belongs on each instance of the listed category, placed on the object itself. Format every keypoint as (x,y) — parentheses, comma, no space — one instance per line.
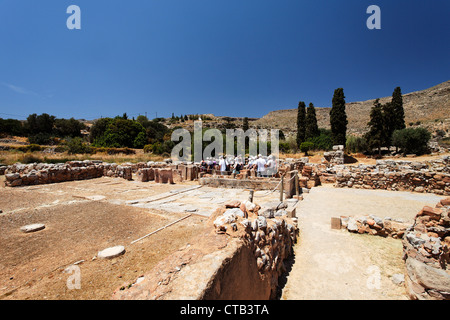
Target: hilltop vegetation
(355,124)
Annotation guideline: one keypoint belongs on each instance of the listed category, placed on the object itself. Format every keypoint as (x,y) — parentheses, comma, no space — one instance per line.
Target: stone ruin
(431,177)
(240,256)
(266,234)
(374,225)
(426,248)
(42,173)
(337,156)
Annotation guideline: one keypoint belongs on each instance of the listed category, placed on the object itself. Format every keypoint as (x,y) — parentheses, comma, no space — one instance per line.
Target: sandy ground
(34,265)
(85,217)
(338,265)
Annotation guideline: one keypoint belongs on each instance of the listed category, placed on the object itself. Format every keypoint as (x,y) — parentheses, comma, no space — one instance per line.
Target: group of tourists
(264,166)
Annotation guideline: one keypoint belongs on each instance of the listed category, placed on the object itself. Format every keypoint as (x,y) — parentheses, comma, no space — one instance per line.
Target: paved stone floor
(338,265)
(200,200)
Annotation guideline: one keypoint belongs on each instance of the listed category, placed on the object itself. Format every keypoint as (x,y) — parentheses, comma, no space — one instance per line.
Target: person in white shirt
(271,166)
(250,163)
(223,165)
(261,166)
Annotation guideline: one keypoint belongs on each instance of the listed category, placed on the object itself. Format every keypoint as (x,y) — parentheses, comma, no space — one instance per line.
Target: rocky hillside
(430,107)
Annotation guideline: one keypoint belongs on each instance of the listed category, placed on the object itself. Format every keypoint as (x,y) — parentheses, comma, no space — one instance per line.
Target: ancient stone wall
(373,225)
(426,248)
(337,156)
(240,256)
(43,173)
(251,183)
(431,177)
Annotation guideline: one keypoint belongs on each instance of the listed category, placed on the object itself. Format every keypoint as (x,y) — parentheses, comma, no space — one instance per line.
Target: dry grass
(11,157)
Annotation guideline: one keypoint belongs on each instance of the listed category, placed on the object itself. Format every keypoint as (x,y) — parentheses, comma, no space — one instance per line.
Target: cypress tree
(398,111)
(389,122)
(301,117)
(338,118)
(376,136)
(245,124)
(312,129)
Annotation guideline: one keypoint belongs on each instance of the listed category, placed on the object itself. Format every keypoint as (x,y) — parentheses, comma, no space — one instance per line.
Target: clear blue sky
(233,58)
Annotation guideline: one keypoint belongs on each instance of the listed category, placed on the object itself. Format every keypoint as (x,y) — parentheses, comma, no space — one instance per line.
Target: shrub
(41,138)
(77,146)
(306,146)
(118,133)
(30,148)
(140,140)
(148,148)
(411,140)
(284,146)
(356,144)
(29,158)
(323,141)
(159,148)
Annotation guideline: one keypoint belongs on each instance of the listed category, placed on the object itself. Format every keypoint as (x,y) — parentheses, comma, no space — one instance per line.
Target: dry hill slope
(426,105)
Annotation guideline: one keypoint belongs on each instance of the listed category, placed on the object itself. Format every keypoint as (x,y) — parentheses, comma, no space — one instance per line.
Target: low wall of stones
(374,225)
(337,156)
(290,179)
(43,173)
(254,184)
(239,256)
(430,177)
(426,248)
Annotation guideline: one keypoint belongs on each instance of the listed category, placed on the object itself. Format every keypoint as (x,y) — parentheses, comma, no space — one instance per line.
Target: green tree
(99,128)
(323,141)
(142,119)
(140,140)
(356,144)
(306,147)
(389,122)
(245,125)
(118,133)
(311,127)
(39,124)
(398,111)
(11,127)
(338,117)
(301,122)
(68,128)
(376,136)
(411,140)
(77,146)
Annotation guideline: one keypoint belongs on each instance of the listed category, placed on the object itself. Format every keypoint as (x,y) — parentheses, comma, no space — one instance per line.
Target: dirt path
(338,265)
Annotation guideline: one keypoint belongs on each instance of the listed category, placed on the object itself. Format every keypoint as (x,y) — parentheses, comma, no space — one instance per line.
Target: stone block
(336,223)
(142,175)
(165,176)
